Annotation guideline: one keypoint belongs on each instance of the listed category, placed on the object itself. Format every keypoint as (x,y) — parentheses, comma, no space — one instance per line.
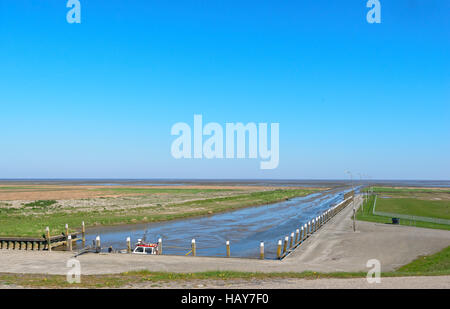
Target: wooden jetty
(30,243)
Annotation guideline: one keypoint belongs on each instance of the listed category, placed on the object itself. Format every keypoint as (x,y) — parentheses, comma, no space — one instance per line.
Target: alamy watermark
(374,274)
(374,14)
(73,16)
(213,146)
(74,273)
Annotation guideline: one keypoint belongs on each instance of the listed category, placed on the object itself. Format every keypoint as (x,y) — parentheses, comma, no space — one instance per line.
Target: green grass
(434,265)
(438,263)
(414,207)
(40,204)
(31,188)
(407,190)
(32,222)
(367,215)
(15,188)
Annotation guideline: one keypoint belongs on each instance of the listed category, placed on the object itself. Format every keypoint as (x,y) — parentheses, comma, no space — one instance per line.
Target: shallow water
(244,228)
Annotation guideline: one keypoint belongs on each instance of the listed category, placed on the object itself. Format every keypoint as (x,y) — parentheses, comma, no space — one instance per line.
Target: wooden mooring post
(228,248)
(261,250)
(194,247)
(98,247)
(69,243)
(128,244)
(160,248)
(47,234)
(67,231)
(279,249)
(83,234)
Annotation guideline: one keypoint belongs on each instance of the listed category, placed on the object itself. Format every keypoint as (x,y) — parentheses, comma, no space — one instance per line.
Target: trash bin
(395,221)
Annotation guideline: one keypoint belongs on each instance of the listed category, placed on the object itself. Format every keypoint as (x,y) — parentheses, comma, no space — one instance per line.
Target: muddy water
(244,228)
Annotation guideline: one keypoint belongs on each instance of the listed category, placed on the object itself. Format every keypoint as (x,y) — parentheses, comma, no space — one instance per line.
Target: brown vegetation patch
(59,192)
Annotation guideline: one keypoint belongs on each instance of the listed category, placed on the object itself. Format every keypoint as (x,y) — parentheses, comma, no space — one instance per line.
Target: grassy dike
(32,219)
(433,265)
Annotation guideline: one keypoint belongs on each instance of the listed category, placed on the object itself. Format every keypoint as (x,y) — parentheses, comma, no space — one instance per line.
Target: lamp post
(353,201)
(361,184)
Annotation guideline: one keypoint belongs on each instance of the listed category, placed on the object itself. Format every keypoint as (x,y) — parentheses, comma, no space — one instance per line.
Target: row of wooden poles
(193,250)
(228,249)
(68,237)
(306,230)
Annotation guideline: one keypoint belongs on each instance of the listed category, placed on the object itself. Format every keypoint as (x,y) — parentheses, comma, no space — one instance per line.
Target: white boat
(145,248)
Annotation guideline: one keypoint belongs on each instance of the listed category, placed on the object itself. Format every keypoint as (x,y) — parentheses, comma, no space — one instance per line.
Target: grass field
(433,203)
(433,265)
(438,263)
(415,207)
(409,190)
(138,206)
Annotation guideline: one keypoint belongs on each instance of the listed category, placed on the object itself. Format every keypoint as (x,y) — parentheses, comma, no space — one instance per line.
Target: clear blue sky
(98,99)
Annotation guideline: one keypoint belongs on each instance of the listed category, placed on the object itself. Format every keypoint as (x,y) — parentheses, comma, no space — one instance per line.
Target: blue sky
(98,99)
